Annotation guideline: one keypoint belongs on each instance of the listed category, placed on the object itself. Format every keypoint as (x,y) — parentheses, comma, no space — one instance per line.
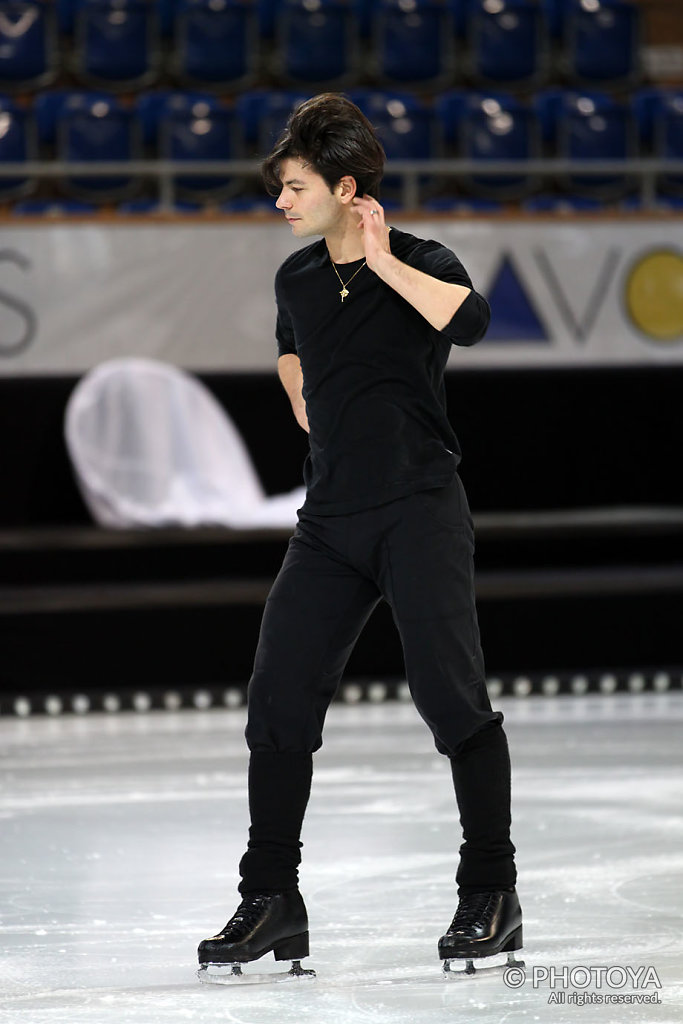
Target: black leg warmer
(481,777)
(279,788)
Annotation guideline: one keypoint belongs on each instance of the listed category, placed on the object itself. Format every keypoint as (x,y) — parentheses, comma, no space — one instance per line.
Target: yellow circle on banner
(654,295)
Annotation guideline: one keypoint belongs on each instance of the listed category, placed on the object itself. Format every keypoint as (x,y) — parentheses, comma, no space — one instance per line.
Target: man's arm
(289,370)
(438,301)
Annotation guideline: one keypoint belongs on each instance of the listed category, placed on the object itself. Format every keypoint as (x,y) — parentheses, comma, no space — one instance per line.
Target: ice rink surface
(121,835)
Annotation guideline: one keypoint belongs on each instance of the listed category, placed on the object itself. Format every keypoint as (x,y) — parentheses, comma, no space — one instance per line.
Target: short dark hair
(335,138)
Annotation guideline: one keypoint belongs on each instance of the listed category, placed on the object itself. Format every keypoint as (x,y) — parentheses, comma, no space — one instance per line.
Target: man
(366,320)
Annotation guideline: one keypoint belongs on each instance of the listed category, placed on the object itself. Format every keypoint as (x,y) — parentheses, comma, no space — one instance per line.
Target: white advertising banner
(201,296)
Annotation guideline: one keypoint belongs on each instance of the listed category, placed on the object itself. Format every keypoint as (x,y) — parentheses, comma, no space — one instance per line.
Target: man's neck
(345,243)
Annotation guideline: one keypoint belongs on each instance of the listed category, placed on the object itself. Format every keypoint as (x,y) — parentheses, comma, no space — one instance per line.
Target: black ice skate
(485,924)
(261,924)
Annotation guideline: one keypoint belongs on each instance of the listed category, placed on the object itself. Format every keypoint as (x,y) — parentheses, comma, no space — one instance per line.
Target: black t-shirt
(373,375)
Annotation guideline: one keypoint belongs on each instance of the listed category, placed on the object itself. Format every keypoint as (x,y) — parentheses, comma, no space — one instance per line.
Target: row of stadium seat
(555,12)
(485,127)
(252,205)
(220,44)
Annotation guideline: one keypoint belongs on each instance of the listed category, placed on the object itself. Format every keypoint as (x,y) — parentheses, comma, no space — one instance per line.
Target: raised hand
(375,231)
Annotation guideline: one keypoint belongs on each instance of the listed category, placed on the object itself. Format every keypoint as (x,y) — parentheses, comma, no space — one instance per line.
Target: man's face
(306,200)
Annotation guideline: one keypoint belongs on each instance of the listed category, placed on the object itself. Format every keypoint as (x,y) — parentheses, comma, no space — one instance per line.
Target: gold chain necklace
(344,287)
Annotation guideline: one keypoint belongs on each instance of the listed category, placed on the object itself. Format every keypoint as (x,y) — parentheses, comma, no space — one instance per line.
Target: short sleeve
(469,323)
(436,260)
(284,331)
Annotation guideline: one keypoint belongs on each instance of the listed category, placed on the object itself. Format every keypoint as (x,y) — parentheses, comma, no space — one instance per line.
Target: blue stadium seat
(193,126)
(117,44)
(602,42)
(494,127)
(317,42)
(53,208)
(216,43)
(145,207)
(672,203)
(90,128)
(508,42)
(589,126)
(260,205)
(548,203)
(18,143)
(413,43)
(406,127)
(29,56)
(262,116)
(660,118)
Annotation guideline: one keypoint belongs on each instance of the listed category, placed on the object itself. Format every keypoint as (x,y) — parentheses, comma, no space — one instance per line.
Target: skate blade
(232,974)
(467,967)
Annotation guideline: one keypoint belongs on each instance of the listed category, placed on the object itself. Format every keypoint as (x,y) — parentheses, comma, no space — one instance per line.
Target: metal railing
(646,171)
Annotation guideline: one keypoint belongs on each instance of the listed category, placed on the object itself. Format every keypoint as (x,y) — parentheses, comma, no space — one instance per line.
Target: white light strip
(353,692)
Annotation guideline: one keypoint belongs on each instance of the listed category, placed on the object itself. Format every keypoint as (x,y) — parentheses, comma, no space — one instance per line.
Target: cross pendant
(344,292)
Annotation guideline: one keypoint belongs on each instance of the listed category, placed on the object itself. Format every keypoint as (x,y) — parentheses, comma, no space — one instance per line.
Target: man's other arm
(289,371)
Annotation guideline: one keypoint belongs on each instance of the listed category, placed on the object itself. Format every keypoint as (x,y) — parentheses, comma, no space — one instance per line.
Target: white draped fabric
(151,446)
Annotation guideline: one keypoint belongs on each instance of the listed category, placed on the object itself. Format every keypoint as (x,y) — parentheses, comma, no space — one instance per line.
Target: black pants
(417,554)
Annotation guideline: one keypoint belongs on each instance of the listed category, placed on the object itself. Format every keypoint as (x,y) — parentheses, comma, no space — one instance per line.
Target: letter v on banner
(514,317)
(581,326)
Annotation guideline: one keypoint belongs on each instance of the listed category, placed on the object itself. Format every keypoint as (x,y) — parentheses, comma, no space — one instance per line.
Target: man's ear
(346,188)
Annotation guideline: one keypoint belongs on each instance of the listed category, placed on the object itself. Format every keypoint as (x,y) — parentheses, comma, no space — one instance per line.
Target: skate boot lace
(473,912)
(245,917)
